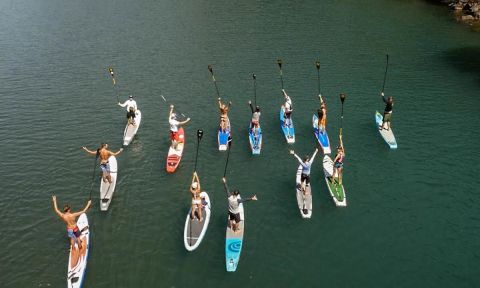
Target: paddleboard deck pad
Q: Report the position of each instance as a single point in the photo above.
(131, 130)
(255, 139)
(287, 128)
(336, 190)
(195, 230)
(321, 135)
(76, 269)
(175, 154)
(107, 189)
(234, 242)
(304, 200)
(387, 135)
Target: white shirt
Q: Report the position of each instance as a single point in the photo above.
(288, 104)
(130, 103)
(173, 125)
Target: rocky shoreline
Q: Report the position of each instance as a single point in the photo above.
(466, 11)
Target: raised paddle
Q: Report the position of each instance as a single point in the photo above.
(385, 77)
(199, 137)
(210, 68)
(228, 155)
(317, 64)
(279, 62)
(255, 88)
(165, 100)
(342, 98)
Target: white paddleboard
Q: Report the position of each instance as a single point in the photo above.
(76, 271)
(107, 189)
(304, 200)
(131, 130)
(194, 229)
(387, 135)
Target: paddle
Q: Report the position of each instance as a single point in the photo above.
(279, 62)
(317, 64)
(228, 155)
(385, 77)
(255, 88)
(342, 98)
(93, 175)
(210, 68)
(110, 70)
(199, 137)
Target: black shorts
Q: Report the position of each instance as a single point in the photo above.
(235, 217)
(305, 177)
(130, 114)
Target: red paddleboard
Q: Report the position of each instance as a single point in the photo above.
(175, 155)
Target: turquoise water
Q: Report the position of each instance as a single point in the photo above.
(412, 218)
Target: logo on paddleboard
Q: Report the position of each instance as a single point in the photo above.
(235, 246)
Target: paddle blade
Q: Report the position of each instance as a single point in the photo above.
(342, 97)
(229, 141)
(210, 68)
(317, 63)
(279, 62)
(254, 76)
(199, 134)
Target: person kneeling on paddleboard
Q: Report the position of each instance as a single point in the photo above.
(197, 201)
(172, 120)
(71, 220)
(104, 154)
(234, 205)
(131, 109)
(338, 163)
(224, 108)
(306, 165)
(255, 117)
(387, 114)
(288, 108)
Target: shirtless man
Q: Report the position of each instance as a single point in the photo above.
(322, 115)
(71, 220)
(255, 118)
(104, 154)
(224, 108)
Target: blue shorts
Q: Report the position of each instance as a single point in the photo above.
(105, 167)
(338, 165)
(74, 233)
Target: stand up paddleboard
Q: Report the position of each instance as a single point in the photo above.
(175, 155)
(387, 135)
(223, 136)
(336, 190)
(255, 139)
(233, 242)
(288, 130)
(304, 200)
(76, 269)
(131, 130)
(107, 189)
(194, 229)
(321, 135)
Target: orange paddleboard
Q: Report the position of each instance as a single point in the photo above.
(175, 154)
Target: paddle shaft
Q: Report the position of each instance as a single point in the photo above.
(228, 156)
(110, 70)
(199, 136)
(279, 62)
(342, 99)
(214, 80)
(255, 89)
(165, 100)
(317, 64)
(93, 175)
(385, 76)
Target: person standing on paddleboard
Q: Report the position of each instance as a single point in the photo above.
(338, 163)
(234, 201)
(172, 120)
(306, 165)
(104, 154)
(387, 114)
(255, 117)
(197, 201)
(224, 108)
(131, 108)
(71, 220)
(288, 108)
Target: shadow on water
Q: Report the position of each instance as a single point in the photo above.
(465, 59)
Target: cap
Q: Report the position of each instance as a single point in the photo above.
(194, 185)
(131, 96)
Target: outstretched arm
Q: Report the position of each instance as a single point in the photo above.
(341, 144)
(226, 187)
(313, 156)
(184, 122)
(55, 207)
(116, 153)
(251, 106)
(122, 104)
(253, 198)
(89, 203)
(170, 113)
(296, 156)
(89, 151)
(219, 102)
(383, 97)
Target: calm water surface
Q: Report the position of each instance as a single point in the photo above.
(412, 219)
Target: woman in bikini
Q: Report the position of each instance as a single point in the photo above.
(224, 108)
(197, 204)
(338, 163)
